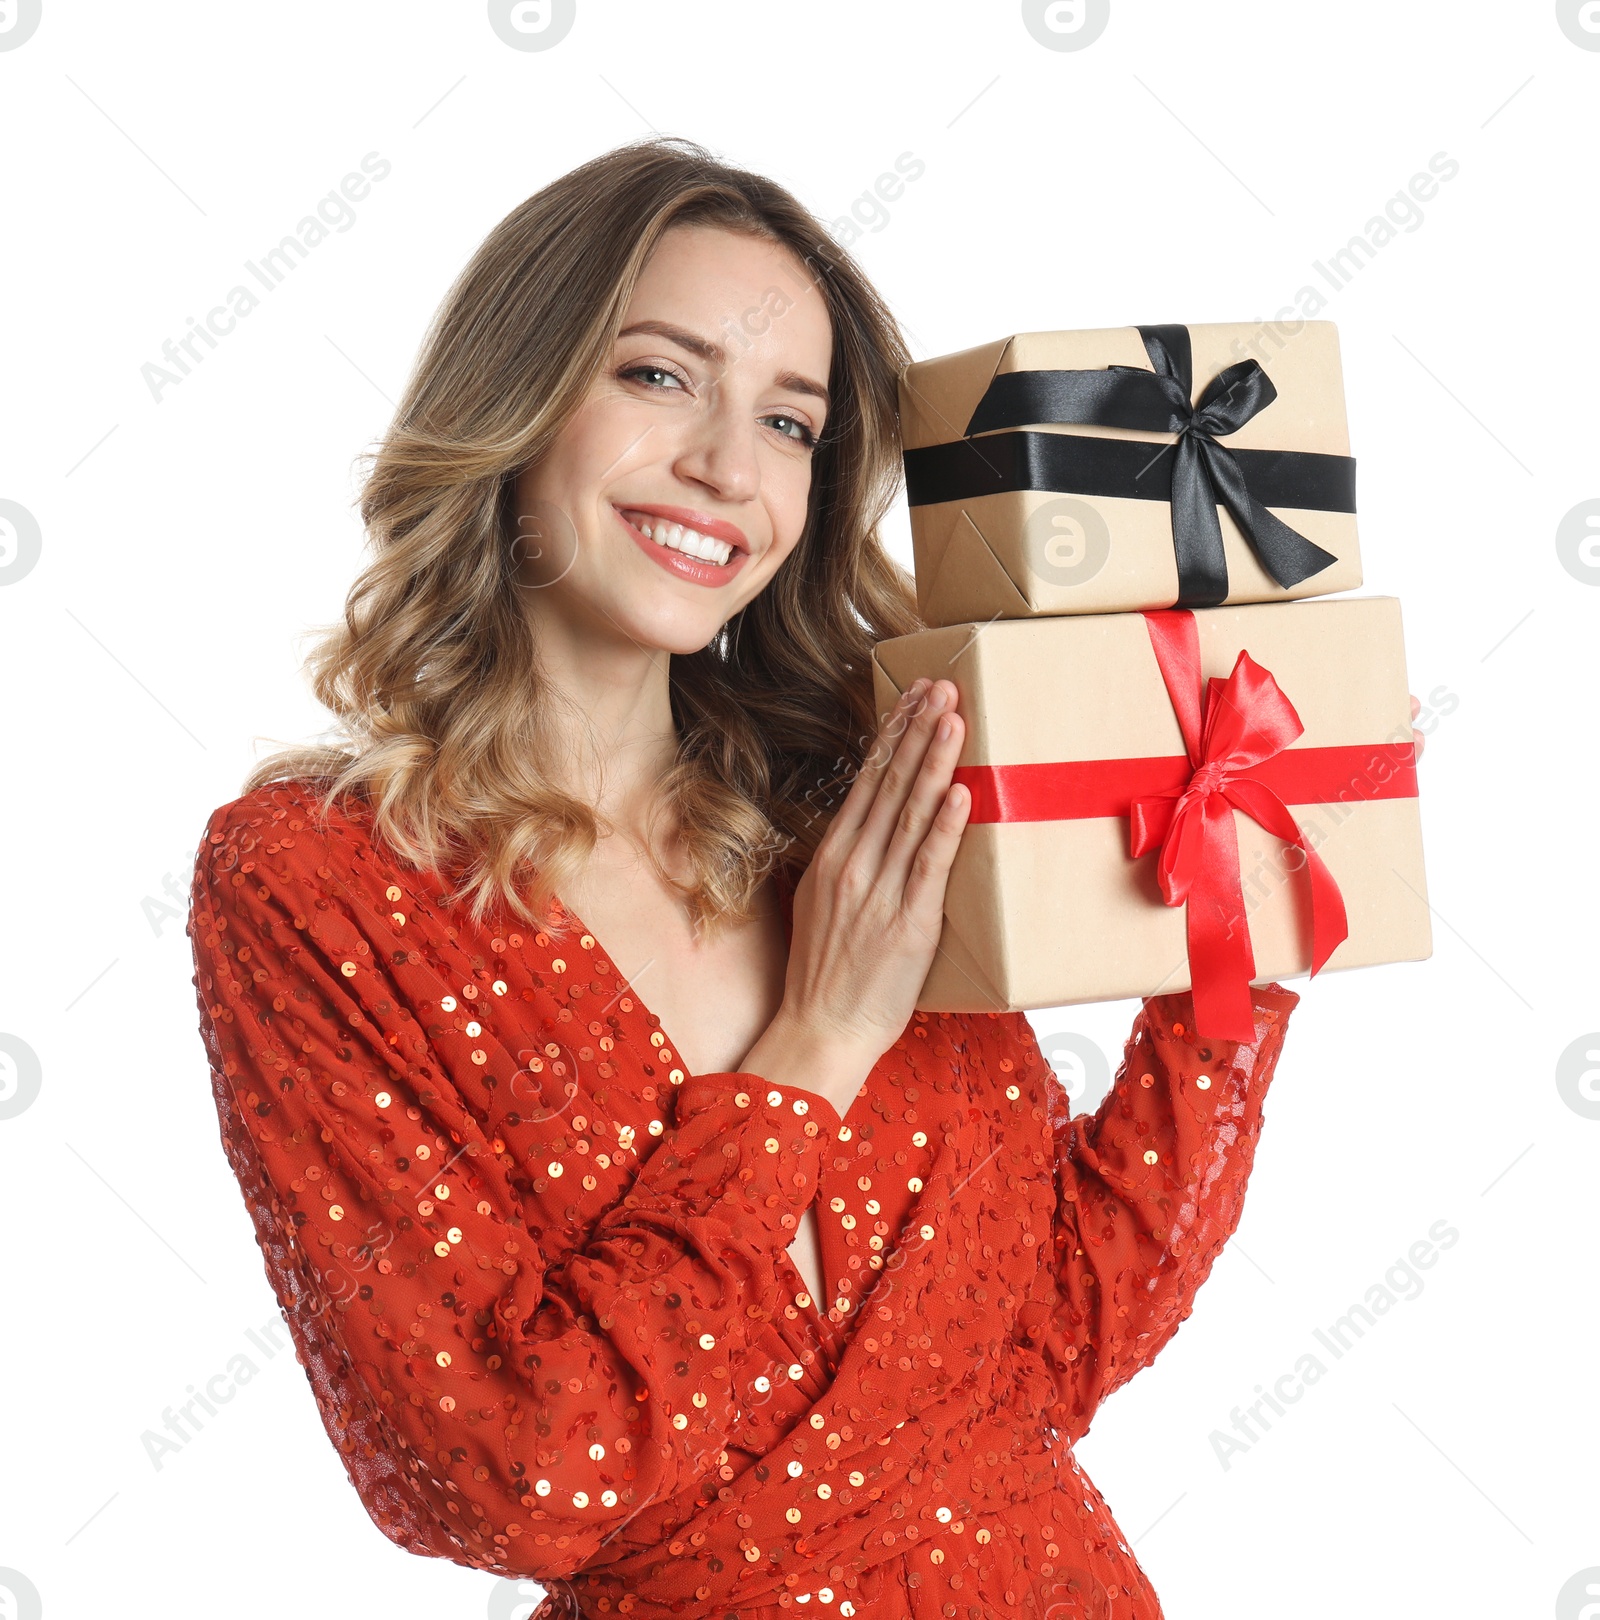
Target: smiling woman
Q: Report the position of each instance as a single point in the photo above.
(637, 1233)
(676, 411)
(658, 332)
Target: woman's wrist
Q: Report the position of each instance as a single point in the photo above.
(786, 1054)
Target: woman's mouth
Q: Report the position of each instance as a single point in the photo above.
(682, 551)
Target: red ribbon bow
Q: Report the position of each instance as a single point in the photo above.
(1246, 719)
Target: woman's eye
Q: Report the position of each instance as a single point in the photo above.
(652, 371)
(648, 373)
(805, 436)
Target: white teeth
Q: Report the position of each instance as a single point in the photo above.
(677, 538)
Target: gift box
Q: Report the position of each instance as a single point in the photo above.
(1129, 468)
(1170, 800)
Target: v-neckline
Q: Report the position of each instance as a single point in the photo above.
(824, 1332)
(786, 907)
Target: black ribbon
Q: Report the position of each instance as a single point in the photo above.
(1193, 474)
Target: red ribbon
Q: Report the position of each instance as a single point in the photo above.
(1246, 720)
(1236, 733)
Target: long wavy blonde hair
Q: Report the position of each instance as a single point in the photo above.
(442, 731)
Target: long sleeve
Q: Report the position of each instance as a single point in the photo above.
(518, 1333)
(1147, 1191)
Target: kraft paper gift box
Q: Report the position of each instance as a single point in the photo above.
(1129, 468)
(1119, 759)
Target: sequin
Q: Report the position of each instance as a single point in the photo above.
(609, 1391)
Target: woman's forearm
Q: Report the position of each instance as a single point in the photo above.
(788, 1055)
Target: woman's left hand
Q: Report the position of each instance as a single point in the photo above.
(1416, 736)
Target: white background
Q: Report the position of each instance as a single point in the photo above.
(1188, 165)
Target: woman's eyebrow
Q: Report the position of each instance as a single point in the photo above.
(714, 354)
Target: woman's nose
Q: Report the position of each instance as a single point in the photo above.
(720, 450)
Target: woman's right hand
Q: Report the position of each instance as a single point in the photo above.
(869, 908)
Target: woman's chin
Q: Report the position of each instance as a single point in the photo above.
(671, 627)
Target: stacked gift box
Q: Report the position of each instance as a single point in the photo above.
(1187, 771)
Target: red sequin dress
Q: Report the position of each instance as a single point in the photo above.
(538, 1275)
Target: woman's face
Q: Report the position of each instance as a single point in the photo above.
(681, 485)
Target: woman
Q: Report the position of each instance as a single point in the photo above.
(636, 1233)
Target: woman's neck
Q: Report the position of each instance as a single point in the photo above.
(611, 728)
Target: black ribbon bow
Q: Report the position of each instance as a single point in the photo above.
(1193, 474)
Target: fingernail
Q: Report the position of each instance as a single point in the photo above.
(937, 700)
